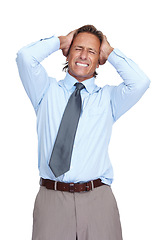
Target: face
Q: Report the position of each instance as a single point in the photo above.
(83, 56)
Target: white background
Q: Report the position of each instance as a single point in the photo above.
(131, 26)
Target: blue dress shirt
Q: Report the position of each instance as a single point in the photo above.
(101, 107)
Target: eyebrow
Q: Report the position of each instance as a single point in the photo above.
(92, 49)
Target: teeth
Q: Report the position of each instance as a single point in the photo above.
(82, 64)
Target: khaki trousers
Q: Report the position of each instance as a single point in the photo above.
(69, 216)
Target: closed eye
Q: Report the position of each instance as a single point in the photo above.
(92, 52)
(78, 48)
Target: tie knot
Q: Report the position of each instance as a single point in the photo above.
(79, 86)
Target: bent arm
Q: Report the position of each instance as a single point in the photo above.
(134, 84)
(32, 73)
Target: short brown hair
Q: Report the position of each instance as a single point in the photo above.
(89, 29)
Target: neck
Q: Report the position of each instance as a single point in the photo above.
(80, 78)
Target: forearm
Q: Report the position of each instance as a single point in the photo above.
(129, 71)
(134, 84)
(38, 51)
(32, 74)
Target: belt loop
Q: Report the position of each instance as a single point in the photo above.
(71, 187)
(92, 185)
(55, 186)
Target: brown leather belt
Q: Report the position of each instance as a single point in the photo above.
(71, 187)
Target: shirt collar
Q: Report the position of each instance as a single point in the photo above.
(89, 84)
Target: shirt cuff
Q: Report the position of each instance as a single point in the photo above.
(53, 42)
(115, 56)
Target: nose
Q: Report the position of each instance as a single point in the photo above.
(84, 54)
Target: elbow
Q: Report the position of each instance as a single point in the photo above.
(23, 52)
(21, 56)
(145, 83)
(142, 84)
(24, 58)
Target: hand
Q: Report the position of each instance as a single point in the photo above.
(65, 42)
(105, 50)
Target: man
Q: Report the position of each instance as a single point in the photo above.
(75, 200)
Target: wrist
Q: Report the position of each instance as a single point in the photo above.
(108, 51)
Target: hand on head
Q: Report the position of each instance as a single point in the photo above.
(105, 49)
(65, 42)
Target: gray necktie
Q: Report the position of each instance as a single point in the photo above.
(62, 151)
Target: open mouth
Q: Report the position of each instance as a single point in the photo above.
(82, 64)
